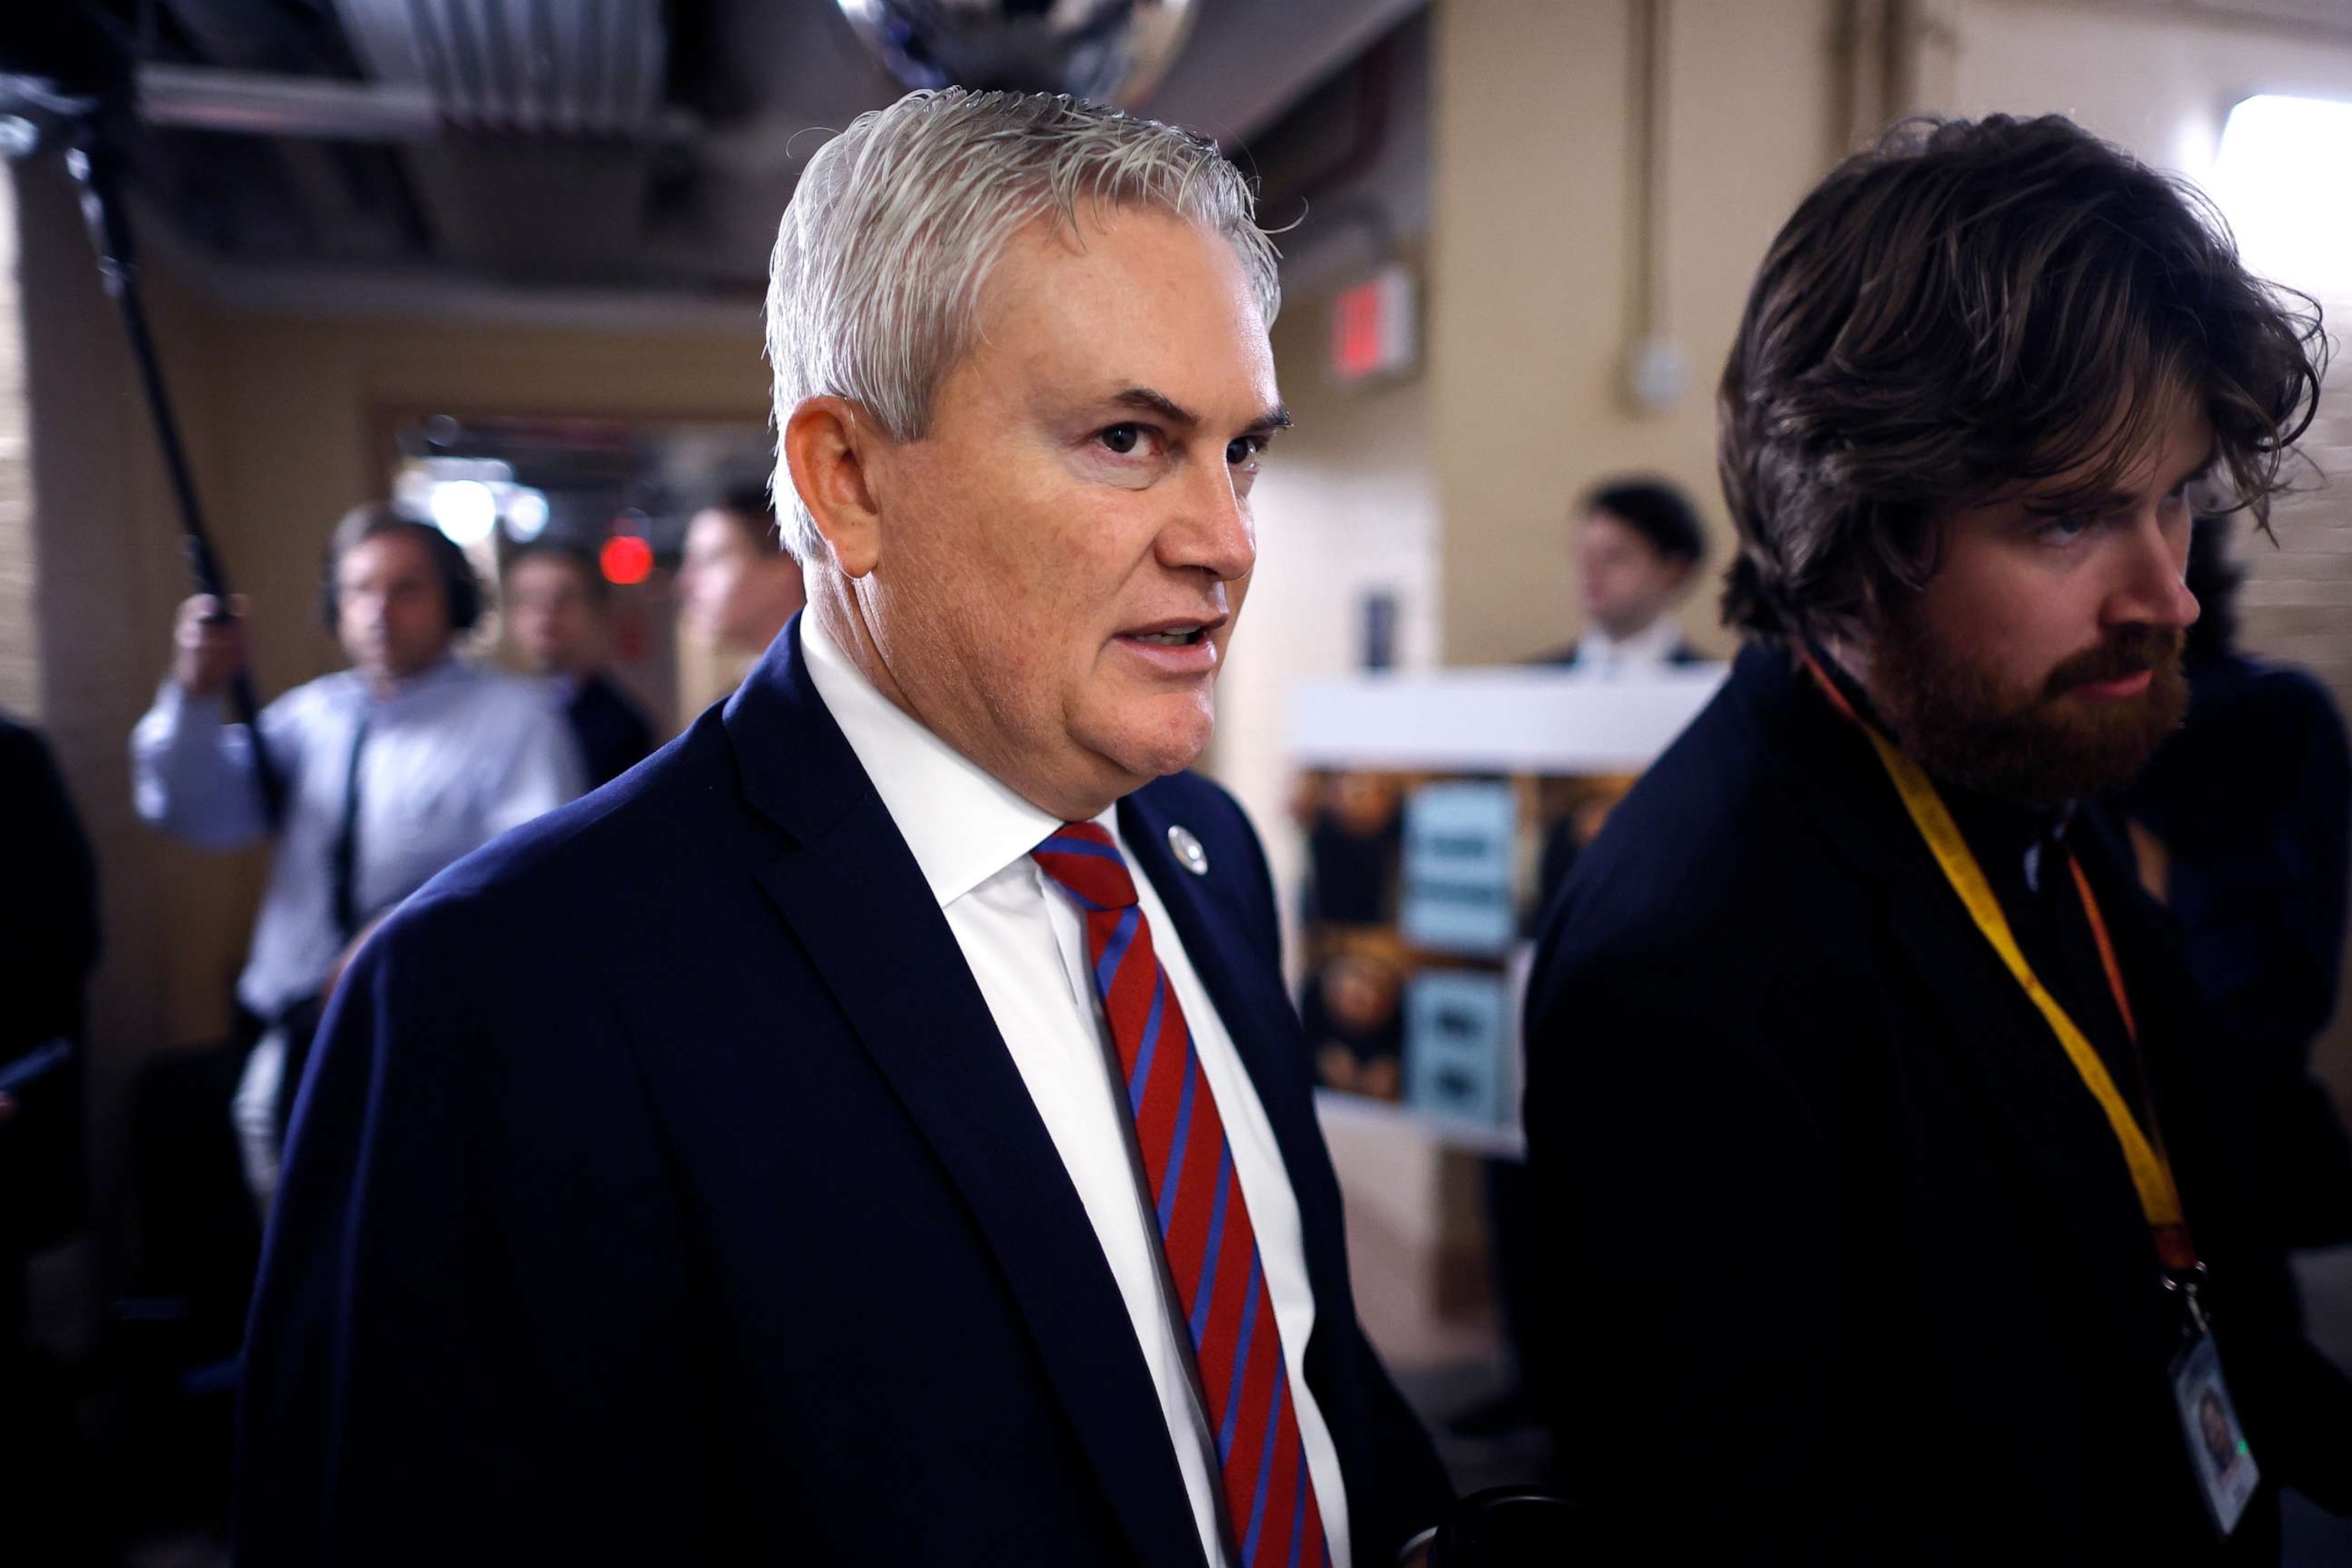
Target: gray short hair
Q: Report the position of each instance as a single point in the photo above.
(884, 248)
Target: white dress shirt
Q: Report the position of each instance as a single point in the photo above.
(1025, 942)
(1648, 652)
(454, 758)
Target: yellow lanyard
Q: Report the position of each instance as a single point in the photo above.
(2151, 1173)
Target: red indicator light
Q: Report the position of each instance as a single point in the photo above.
(627, 560)
(1356, 342)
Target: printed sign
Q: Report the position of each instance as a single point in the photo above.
(1459, 850)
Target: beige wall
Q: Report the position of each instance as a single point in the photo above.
(1531, 272)
(2157, 82)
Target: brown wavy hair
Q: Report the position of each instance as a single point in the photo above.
(1972, 306)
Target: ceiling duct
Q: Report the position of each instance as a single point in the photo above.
(560, 67)
(551, 112)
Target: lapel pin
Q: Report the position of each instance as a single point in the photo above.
(1188, 850)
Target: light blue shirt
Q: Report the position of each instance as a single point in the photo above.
(454, 758)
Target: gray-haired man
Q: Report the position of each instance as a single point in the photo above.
(875, 1130)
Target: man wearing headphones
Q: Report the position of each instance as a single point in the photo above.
(392, 769)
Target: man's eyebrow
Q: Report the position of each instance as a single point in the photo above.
(1144, 400)
(2098, 503)
(1275, 418)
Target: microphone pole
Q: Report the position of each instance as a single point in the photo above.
(93, 166)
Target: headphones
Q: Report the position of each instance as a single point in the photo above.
(459, 586)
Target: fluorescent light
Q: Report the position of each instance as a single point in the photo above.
(2284, 179)
(466, 510)
(526, 513)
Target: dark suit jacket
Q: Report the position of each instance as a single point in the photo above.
(48, 943)
(613, 732)
(663, 1193)
(1849, 1264)
(2252, 799)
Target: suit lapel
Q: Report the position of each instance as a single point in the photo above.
(854, 897)
(2055, 1137)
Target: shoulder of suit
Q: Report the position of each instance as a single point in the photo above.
(1708, 839)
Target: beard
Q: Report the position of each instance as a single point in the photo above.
(1972, 727)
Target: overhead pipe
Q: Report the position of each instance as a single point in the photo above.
(254, 103)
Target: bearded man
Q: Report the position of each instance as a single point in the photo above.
(1896, 1194)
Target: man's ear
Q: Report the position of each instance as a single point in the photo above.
(828, 442)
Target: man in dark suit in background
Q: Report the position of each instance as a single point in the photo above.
(2242, 822)
(1899, 1199)
(875, 1131)
(558, 612)
(1638, 545)
(48, 943)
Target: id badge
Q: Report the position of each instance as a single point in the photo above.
(2217, 1444)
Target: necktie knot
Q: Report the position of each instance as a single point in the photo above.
(1085, 861)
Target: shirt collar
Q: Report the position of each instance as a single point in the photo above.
(448, 671)
(1653, 644)
(964, 825)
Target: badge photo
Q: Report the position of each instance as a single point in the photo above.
(2217, 1444)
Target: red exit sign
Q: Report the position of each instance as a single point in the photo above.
(1373, 327)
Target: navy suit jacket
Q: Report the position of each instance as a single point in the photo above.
(662, 1192)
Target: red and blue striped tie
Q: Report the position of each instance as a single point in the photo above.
(1204, 1226)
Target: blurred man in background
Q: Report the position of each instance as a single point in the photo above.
(737, 586)
(558, 618)
(1637, 544)
(1901, 1204)
(2244, 822)
(392, 769)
